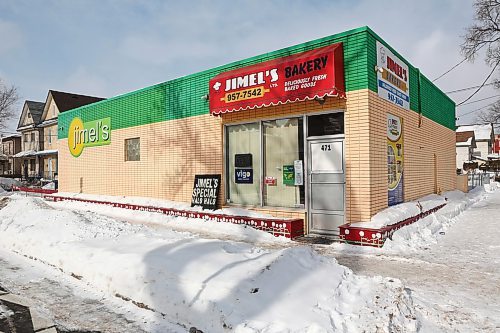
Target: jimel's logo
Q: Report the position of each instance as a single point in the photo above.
(89, 134)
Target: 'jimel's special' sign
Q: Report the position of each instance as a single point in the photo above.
(205, 191)
(305, 75)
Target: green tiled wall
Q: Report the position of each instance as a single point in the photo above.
(180, 98)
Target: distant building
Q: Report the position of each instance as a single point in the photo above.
(484, 137)
(9, 146)
(466, 143)
(38, 126)
(496, 145)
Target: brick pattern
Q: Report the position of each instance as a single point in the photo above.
(429, 155)
(172, 152)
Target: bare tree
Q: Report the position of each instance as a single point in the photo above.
(8, 99)
(485, 33)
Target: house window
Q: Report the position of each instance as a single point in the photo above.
(26, 137)
(32, 165)
(133, 149)
(49, 136)
(33, 137)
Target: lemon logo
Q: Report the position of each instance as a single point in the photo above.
(89, 134)
(74, 142)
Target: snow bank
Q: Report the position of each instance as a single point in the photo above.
(6, 183)
(426, 231)
(215, 285)
(203, 227)
(400, 212)
(49, 186)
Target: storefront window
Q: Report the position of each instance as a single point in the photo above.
(282, 181)
(283, 163)
(325, 124)
(243, 164)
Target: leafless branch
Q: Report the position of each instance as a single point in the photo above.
(8, 99)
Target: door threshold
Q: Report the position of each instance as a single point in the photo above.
(317, 239)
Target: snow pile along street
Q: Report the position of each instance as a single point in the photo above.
(211, 284)
(425, 232)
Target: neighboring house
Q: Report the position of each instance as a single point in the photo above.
(9, 146)
(31, 138)
(465, 144)
(484, 137)
(56, 103)
(38, 127)
(496, 145)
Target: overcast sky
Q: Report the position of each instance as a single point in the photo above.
(109, 47)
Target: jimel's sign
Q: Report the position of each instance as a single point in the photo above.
(302, 76)
(89, 134)
(205, 191)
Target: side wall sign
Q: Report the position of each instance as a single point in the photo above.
(89, 134)
(395, 158)
(392, 78)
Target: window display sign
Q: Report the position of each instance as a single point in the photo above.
(392, 78)
(395, 159)
(205, 191)
(243, 176)
(271, 181)
(299, 172)
(306, 75)
(243, 160)
(288, 175)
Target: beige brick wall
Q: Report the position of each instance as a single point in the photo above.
(429, 155)
(171, 154)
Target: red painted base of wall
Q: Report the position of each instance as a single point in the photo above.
(376, 237)
(277, 227)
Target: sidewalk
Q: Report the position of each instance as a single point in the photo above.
(455, 280)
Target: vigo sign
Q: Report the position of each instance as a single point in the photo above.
(306, 75)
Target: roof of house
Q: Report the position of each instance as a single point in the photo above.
(465, 139)
(481, 132)
(36, 110)
(464, 136)
(67, 101)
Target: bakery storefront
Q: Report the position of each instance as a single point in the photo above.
(330, 131)
(266, 158)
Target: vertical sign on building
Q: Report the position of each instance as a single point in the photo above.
(392, 78)
(395, 159)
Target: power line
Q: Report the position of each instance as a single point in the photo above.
(469, 88)
(481, 108)
(479, 100)
(449, 70)
(482, 85)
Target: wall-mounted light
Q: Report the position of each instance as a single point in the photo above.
(320, 100)
(205, 97)
(379, 69)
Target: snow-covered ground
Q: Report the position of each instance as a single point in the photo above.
(221, 277)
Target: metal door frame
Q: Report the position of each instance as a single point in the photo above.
(307, 157)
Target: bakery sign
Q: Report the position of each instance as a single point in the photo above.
(392, 77)
(302, 76)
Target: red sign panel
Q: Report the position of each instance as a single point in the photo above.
(307, 75)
